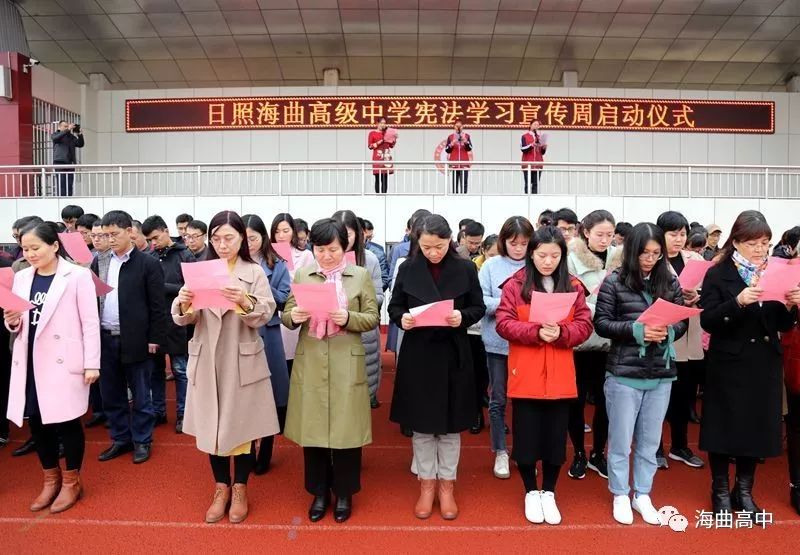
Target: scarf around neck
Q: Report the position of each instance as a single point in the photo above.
(322, 328)
(749, 272)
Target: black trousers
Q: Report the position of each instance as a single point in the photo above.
(460, 181)
(590, 373)
(681, 398)
(96, 398)
(242, 467)
(65, 177)
(481, 371)
(535, 176)
(5, 382)
(47, 438)
(381, 183)
(337, 470)
(793, 437)
(720, 462)
(549, 476)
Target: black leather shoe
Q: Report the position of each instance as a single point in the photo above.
(319, 506)
(96, 420)
(343, 508)
(742, 496)
(161, 419)
(115, 451)
(141, 453)
(179, 425)
(28, 447)
(720, 495)
(694, 418)
(477, 426)
(408, 432)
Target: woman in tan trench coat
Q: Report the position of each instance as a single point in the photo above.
(329, 413)
(229, 401)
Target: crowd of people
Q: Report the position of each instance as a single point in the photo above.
(102, 334)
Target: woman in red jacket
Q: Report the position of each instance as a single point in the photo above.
(381, 147)
(541, 371)
(533, 149)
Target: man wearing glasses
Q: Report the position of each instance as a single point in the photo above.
(195, 239)
(567, 223)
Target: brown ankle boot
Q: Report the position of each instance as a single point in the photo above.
(71, 491)
(50, 489)
(238, 510)
(447, 501)
(427, 493)
(222, 496)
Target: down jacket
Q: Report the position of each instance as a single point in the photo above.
(372, 339)
(617, 309)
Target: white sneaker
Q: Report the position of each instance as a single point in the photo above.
(501, 469)
(414, 466)
(533, 507)
(549, 508)
(644, 506)
(622, 509)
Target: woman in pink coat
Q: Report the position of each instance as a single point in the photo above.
(56, 357)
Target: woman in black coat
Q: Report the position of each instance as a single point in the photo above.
(434, 392)
(743, 393)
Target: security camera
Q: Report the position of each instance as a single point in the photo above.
(34, 62)
(31, 62)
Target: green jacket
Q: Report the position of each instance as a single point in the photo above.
(328, 393)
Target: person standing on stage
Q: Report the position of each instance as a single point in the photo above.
(533, 149)
(458, 147)
(380, 141)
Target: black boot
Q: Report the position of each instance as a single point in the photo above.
(720, 494)
(343, 508)
(742, 495)
(794, 496)
(264, 457)
(319, 506)
(477, 426)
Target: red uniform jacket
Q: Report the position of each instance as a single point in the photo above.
(539, 370)
(383, 151)
(532, 150)
(458, 151)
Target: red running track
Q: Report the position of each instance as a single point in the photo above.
(159, 506)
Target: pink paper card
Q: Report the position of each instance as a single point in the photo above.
(694, 272)
(350, 257)
(76, 247)
(433, 314)
(284, 250)
(6, 277)
(391, 135)
(317, 298)
(550, 308)
(10, 301)
(783, 261)
(206, 279)
(101, 288)
(778, 280)
(665, 313)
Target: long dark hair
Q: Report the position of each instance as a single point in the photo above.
(592, 219)
(47, 233)
(432, 224)
(284, 217)
(749, 225)
(533, 279)
(515, 226)
(255, 223)
(790, 237)
(630, 274)
(235, 221)
(349, 219)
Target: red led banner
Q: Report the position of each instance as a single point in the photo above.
(430, 112)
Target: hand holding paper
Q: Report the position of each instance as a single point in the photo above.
(664, 313)
(76, 247)
(317, 298)
(550, 308)
(206, 279)
(694, 272)
(778, 280)
(284, 250)
(433, 314)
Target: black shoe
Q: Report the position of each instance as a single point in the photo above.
(577, 469)
(179, 425)
(264, 457)
(161, 419)
(374, 403)
(115, 451)
(597, 462)
(3, 439)
(141, 453)
(28, 447)
(96, 420)
(794, 496)
(720, 495)
(408, 432)
(687, 457)
(477, 426)
(343, 508)
(693, 416)
(742, 496)
(319, 506)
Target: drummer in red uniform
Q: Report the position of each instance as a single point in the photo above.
(381, 143)
(459, 145)
(533, 149)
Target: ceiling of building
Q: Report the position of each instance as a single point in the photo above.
(665, 44)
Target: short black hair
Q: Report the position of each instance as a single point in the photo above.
(119, 218)
(153, 223)
(545, 218)
(474, 229)
(463, 223)
(366, 224)
(71, 211)
(565, 215)
(98, 223)
(60, 226)
(87, 220)
(199, 226)
(672, 221)
(137, 224)
(328, 230)
(696, 240)
(25, 221)
(623, 228)
(182, 218)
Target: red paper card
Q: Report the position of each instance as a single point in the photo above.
(101, 288)
(550, 308)
(11, 301)
(665, 313)
(317, 298)
(206, 279)
(694, 272)
(76, 247)
(433, 314)
(6, 277)
(777, 280)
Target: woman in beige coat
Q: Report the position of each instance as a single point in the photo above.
(329, 414)
(229, 401)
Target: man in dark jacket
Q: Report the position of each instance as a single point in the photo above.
(171, 254)
(128, 340)
(65, 141)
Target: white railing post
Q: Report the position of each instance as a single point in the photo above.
(199, 180)
(119, 179)
(44, 182)
(610, 178)
(363, 179)
(280, 179)
(689, 182)
(766, 183)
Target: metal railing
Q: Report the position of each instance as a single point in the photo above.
(409, 178)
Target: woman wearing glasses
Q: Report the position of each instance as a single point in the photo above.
(744, 387)
(640, 368)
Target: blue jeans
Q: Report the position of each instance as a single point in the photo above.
(127, 422)
(159, 383)
(498, 384)
(634, 415)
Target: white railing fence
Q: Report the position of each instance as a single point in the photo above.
(409, 178)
